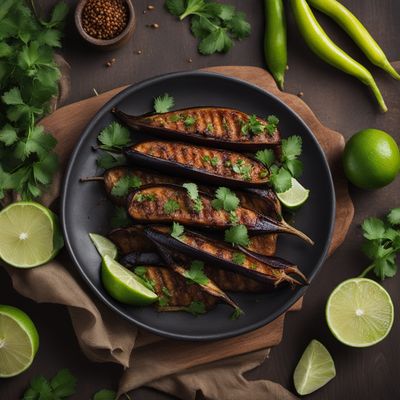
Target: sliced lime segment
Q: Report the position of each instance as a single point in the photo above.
(104, 246)
(125, 286)
(314, 370)
(29, 235)
(19, 341)
(359, 312)
(296, 196)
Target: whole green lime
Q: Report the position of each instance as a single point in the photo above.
(371, 159)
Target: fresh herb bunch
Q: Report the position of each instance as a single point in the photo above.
(216, 25)
(28, 82)
(382, 244)
(289, 166)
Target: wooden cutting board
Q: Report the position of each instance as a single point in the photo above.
(67, 124)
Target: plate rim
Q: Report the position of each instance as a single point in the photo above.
(67, 177)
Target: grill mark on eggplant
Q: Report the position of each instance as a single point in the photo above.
(226, 132)
(208, 217)
(206, 164)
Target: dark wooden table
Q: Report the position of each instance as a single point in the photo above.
(339, 101)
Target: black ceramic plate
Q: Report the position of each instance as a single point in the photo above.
(85, 207)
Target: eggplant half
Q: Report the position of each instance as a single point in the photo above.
(212, 126)
(210, 166)
(265, 269)
(171, 203)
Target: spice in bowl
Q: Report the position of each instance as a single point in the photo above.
(104, 19)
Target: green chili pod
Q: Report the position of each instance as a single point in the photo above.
(320, 43)
(356, 30)
(275, 46)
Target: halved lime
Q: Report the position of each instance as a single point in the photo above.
(314, 370)
(29, 234)
(359, 312)
(123, 285)
(19, 341)
(104, 246)
(296, 196)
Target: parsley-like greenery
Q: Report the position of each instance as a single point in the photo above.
(123, 185)
(196, 274)
(120, 218)
(382, 244)
(189, 121)
(177, 230)
(256, 126)
(142, 272)
(225, 199)
(238, 258)
(171, 206)
(237, 235)
(211, 160)
(243, 169)
(289, 166)
(110, 160)
(141, 197)
(163, 104)
(215, 25)
(28, 82)
(196, 308)
(114, 137)
(59, 387)
(193, 193)
(237, 313)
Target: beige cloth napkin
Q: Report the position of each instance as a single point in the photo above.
(105, 337)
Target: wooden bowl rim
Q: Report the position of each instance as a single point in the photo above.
(104, 42)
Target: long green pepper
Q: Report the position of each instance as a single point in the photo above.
(356, 30)
(320, 43)
(275, 43)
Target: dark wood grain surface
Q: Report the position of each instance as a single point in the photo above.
(338, 100)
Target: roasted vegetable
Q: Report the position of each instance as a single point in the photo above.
(210, 166)
(212, 126)
(171, 203)
(268, 270)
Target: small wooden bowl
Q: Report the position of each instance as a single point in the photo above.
(106, 44)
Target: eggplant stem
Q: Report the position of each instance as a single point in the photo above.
(91, 179)
(290, 229)
(296, 271)
(292, 281)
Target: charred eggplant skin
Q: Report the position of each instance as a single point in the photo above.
(231, 169)
(226, 131)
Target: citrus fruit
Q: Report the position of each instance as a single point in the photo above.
(371, 159)
(123, 285)
(296, 196)
(104, 246)
(19, 341)
(359, 312)
(29, 235)
(314, 370)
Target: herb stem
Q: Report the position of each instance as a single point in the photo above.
(366, 271)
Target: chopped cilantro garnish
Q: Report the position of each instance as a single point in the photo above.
(237, 235)
(121, 188)
(141, 197)
(238, 258)
(196, 274)
(225, 199)
(177, 230)
(171, 206)
(163, 104)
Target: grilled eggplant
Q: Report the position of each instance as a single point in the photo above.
(267, 270)
(169, 203)
(210, 166)
(212, 126)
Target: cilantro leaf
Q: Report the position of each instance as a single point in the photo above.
(120, 218)
(291, 147)
(196, 308)
(13, 97)
(163, 104)
(238, 258)
(394, 216)
(142, 272)
(121, 188)
(114, 136)
(63, 384)
(105, 394)
(58, 15)
(373, 228)
(225, 199)
(175, 7)
(196, 273)
(237, 235)
(216, 41)
(266, 156)
(237, 313)
(109, 160)
(295, 167)
(177, 230)
(281, 179)
(193, 193)
(171, 206)
(8, 135)
(238, 26)
(223, 11)
(192, 7)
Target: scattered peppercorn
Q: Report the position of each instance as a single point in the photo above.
(139, 52)
(155, 26)
(104, 19)
(110, 62)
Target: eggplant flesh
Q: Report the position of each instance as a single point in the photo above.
(212, 126)
(210, 166)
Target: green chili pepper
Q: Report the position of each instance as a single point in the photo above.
(356, 30)
(275, 49)
(320, 43)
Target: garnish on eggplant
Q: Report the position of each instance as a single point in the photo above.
(212, 126)
(208, 165)
(151, 205)
(265, 269)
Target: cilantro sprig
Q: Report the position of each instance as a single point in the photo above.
(196, 308)
(177, 230)
(382, 244)
(215, 25)
(196, 273)
(163, 104)
(123, 185)
(289, 166)
(193, 193)
(28, 82)
(225, 199)
(237, 235)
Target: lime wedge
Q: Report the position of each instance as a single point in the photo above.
(296, 196)
(104, 246)
(314, 370)
(19, 341)
(359, 312)
(123, 285)
(29, 235)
